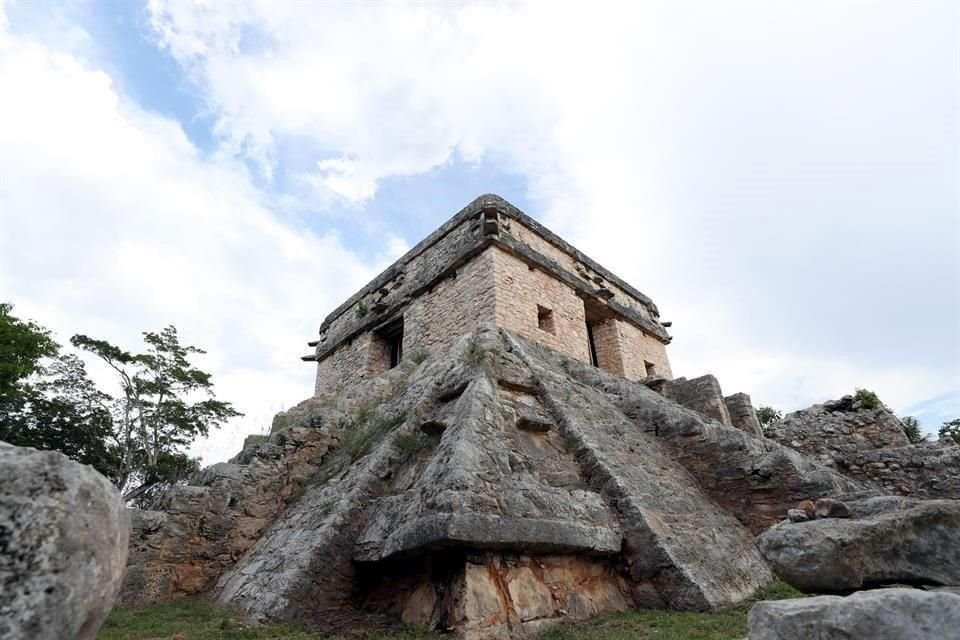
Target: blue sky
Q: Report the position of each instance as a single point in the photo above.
(782, 180)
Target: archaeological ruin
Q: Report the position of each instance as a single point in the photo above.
(496, 443)
(493, 264)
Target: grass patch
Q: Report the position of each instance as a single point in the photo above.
(365, 429)
(200, 621)
(670, 625)
(410, 444)
(474, 353)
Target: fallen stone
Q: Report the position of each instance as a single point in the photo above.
(831, 508)
(63, 537)
(887, 540)
(797, 515)
(809, 508)
(882, 614)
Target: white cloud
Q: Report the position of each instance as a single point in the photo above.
(781, 179)
(114, 223)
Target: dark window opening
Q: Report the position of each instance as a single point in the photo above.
(650, 367)
(392, 336)
(545, 319)
(593, 345)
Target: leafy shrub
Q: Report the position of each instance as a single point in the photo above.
(768, 416)
(362, 309)
(911, 427)
(950, 430)
(868, 399)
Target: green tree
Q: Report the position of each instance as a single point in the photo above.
(47, 400)
(165, 404)
(23, 346)
(950, 430)
(767, 416)
(136, 438)
(911, 427)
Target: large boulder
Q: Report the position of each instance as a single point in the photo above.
(63, 537)
(882, 614)
(838, 430)
(886, 540)
(870, 445)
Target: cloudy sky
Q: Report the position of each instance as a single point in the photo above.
(782, 178)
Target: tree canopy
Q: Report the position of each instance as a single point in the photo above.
(950, 430)
(137, 437)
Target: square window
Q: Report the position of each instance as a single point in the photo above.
(650, 367)
(545, 319)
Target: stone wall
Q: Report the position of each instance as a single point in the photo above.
(742, 414)
(606, 341)
(521, 291)
(347, 365)
(453, 306)
(525, 234)
(491, 263)
(639, 348)
(628, 351)
(702, 394)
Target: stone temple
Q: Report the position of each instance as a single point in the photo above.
(496, 443)
(493, 264)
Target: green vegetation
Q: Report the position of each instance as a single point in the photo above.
(669, 625)
(137, 437)
(474, 353)
(911, 428)
(768, 416)
(198, 621)
(362, 309)
(410, 444)
(950, 430)
(419, 356)
(364, 429)
(868, 399)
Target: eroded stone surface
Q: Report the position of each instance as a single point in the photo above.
(883, 614)
(887, 540)
(63, 545)
(869, 445)
(201, 530)
(436, 491)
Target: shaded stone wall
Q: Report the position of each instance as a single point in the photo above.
(702, 394)
(638, 348)
(491, 594)
(625, 350)
(742, 414)
(453, 307)
(520, 290)
(606, 340)
(347, 365)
